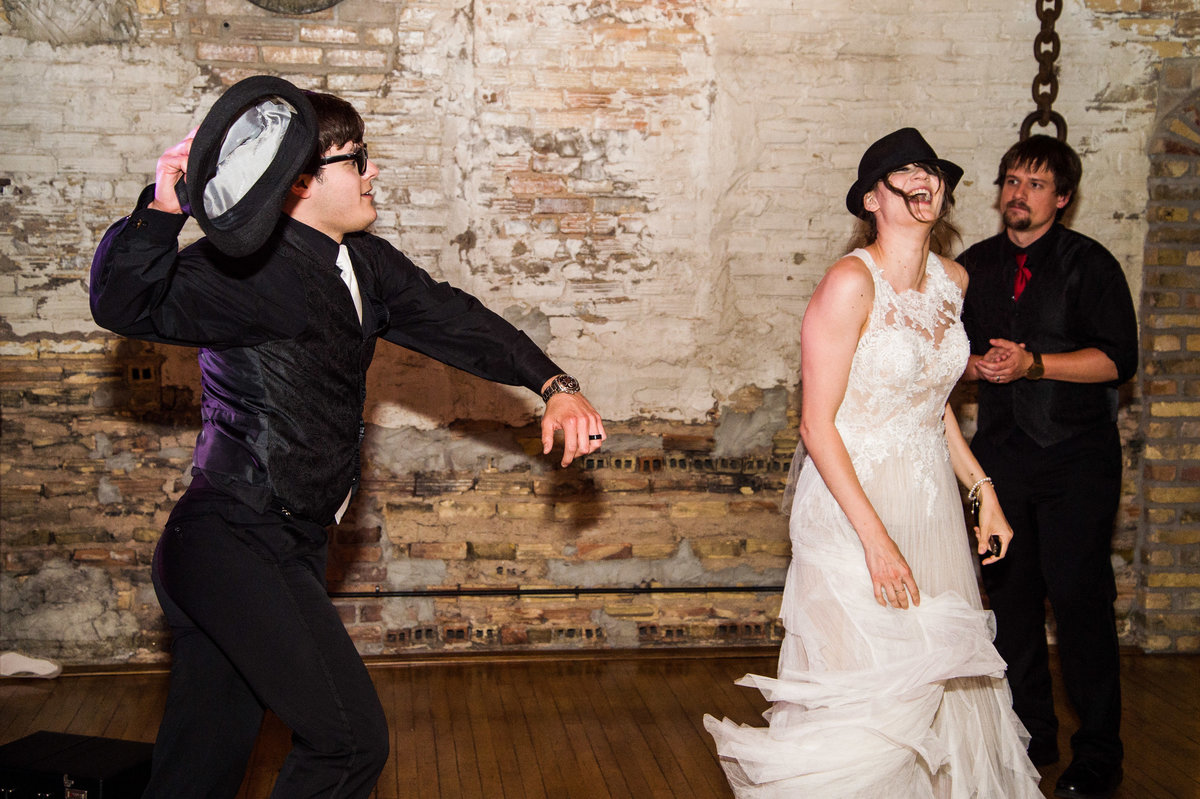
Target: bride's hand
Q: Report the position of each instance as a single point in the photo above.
(991, 523)
(891, 578)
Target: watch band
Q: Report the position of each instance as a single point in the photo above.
(1036, 369)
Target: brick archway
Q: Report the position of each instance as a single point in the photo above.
(1169, 542)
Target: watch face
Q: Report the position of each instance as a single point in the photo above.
(1036, 369)
(563, 384)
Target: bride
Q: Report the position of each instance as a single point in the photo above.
(888, 684)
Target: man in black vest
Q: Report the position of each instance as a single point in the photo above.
(286, 328)
(1053, 334)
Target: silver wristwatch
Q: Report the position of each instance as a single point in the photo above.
(562, 384)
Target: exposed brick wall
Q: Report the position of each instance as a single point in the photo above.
(1170, 380)
(650, 189)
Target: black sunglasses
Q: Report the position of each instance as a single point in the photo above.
(359, 157)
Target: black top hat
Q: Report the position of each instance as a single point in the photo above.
(897, 149)
(252, 145)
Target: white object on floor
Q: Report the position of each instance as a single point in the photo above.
(14, 664)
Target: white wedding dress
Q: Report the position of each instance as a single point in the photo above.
(873, 701)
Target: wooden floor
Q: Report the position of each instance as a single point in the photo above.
(613, 725)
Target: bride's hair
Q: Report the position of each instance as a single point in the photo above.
(941, 238)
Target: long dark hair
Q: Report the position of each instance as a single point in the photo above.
(944, 234)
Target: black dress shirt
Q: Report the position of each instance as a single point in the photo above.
(1077, 297)
(283, 356)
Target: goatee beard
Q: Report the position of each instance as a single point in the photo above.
(1014, 222)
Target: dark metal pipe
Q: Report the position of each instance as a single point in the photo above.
(576, 591)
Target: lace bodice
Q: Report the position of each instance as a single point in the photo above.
(913, 351)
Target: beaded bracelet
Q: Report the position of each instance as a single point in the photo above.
(973, 494)
(973, 497)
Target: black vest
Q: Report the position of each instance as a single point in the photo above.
(282, 419)
(1077, 297)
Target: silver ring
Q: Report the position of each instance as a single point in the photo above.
(594, 437)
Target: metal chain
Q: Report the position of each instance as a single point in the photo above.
(1046, 46)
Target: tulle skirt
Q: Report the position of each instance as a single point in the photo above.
(872, 701)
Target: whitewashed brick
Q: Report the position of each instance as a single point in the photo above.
(715, 155)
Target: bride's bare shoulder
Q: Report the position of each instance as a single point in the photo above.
(848, 275)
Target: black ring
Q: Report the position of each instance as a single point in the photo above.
(594, 438)
(295, 6)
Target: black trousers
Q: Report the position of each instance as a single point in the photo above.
(253, 628)
(1061, 502)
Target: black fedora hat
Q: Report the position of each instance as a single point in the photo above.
(252, 145)
(898, 148)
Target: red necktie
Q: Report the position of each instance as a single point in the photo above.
(1022, 277)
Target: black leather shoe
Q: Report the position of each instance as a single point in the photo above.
(1043, 751)
(1088, 779)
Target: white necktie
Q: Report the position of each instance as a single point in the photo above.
(343, 262)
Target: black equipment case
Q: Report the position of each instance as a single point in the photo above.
(56, 765)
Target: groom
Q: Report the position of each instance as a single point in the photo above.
(1053, 334)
